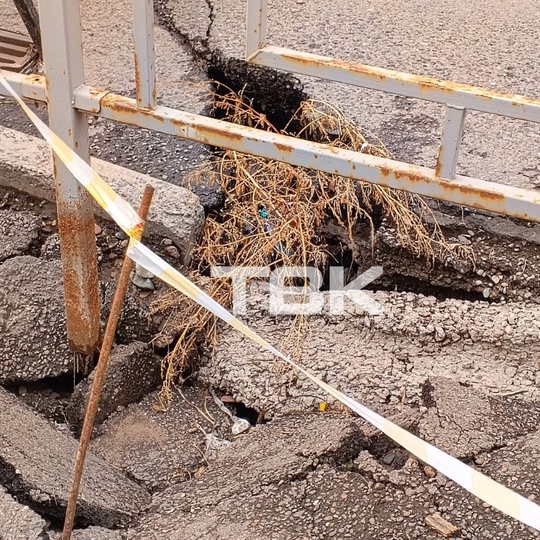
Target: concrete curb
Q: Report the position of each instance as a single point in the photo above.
(25, 165)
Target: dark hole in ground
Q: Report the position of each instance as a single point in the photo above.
(401, 283)
(62, 385)
(427, 394)
(277, 95)
(253, 416)
(49, 396)
(385, 451)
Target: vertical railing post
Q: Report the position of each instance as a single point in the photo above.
(63, 60)
(257, 15)
(452, 134)
(145, 57)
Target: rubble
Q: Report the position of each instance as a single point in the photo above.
(133, 372)
(36, 462)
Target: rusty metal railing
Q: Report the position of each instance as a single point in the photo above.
(70, 100)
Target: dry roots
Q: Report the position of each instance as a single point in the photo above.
(275, 212)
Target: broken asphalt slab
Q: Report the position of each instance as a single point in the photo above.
(36, 464)
(311, 477)
(176, 212)
(18, 522)
(33, 340)
(159, 447)
(382, 359)
(465, 422)
(267, 456)
(133, 371)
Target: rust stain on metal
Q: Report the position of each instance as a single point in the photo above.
(438, 166)
(216, 133)
(425, 84)
(96, 92)
(119, 104)
(77, 239)
(284, 148)
(447, 186)
(138, 82)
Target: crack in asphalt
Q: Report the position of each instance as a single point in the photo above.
(212, 18)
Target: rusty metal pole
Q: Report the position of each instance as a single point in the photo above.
(99, 376)
(63, 61)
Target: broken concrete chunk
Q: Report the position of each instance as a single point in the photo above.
(175, 212)
(17, 230)
(133, 371)
(146, 443)
(36, 463)
(18, 522)
(33, 341)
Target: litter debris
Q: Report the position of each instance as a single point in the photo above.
(239, 424)
(440, 525)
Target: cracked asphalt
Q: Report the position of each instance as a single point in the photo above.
(494, 44)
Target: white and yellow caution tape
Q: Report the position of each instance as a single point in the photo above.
(117, 207)
(478, 484)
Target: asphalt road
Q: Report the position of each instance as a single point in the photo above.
(493, 44)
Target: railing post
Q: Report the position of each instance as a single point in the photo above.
(257, 15)
(452, 134)
(145, 57)
(63, 59)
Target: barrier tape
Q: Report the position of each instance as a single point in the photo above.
(483, 487)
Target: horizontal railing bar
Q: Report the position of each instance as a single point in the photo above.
(480, 194)
(470, 192)
(26, 86)
(400, 83)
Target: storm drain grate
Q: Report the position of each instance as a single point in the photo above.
(16, 51)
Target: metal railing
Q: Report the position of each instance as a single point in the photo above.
(69, 100)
